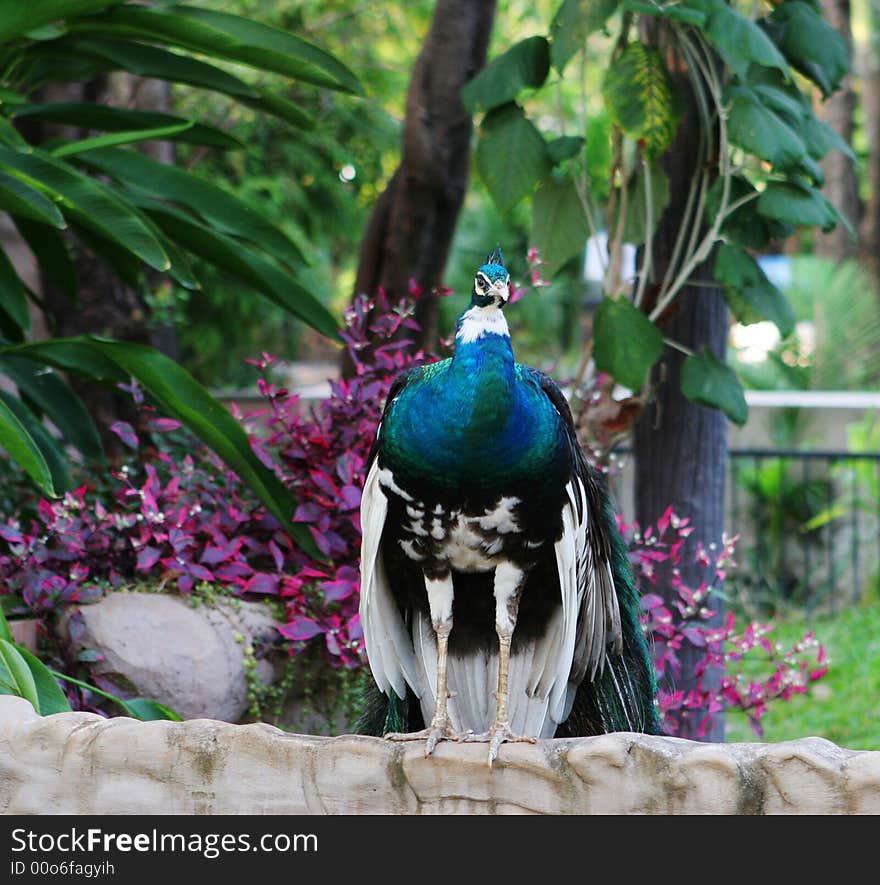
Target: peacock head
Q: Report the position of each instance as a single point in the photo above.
(492, 282)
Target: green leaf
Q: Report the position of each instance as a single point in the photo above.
(9, 135)
(709, 382)
(559, 224)
(50, 697)
(13, 296)
(11, 97)
(625, 342)
(19, 18)
(70, 355)
(153, 61)
(47, 32)
(642, 98)
(146, 710)
(178, 395)
(797, 204)
(181, 270)
(820, 138)
(278, 106)
(574, 21)
(5, 632)
(53, 397)
(230, 37)
(780, 94)
(760, 131)
(682, 14)
(138, 708)
(223, 210)
(56, 461)
(228, 255)
(815, 48)
(564, 148)
(748, 292)
(21, 447)
(635, 225)
(132, 136)
(810, 170)
(15, 673)
(738, 40)
(18, 199)
(88, 202)
(511, 155)
(744, 226)
(111, 119)
(599, 155)
(839, 218)
(524, 66)
(50, 250)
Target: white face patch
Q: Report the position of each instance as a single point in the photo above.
(479, 321)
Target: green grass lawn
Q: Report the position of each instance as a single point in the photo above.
(843, 706)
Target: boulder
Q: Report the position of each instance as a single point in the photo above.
(159, 646)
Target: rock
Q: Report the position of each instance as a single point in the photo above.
(79, 763)
(159, 646)
(26, 633)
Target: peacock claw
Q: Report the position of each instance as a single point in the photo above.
(432, 735)
(497, 735)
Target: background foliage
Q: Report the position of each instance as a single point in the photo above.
(283, 139)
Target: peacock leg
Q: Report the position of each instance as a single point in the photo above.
(440, 596)
(509, 580)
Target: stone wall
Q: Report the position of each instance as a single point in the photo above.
(79, 763)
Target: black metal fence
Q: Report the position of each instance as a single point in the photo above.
(809, 526)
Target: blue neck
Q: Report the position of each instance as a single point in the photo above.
(472, 420)
(481, 383)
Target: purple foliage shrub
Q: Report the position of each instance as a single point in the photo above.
(740, 669)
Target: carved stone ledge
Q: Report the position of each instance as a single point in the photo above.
(79, 763)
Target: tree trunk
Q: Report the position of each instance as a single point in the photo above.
(107, 305)
(841, 185)
(869, 231)
(410, 231)
(680, 447)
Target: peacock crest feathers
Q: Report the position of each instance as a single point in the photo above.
(495, 257)
(494, 268)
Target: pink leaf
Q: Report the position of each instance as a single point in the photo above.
(126, 433)
(262, 583)
(164, 425)
(147, 558)
(336, 590)
(301, 628)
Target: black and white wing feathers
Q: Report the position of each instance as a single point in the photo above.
(584, 560)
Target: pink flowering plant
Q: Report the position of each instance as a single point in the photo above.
(173, 517)
(739, 668)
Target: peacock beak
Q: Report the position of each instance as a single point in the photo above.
(502, 290)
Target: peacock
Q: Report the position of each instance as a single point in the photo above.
(497, 601)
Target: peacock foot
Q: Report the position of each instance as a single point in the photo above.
(437, 731)
(497, 735)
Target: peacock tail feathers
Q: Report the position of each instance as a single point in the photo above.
(622, 698)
